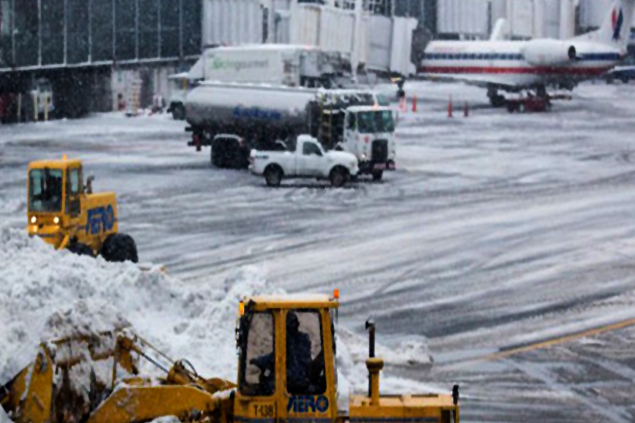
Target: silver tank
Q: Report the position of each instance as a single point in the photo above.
(218, 105)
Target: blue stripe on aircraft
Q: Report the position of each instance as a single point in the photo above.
(514, 57)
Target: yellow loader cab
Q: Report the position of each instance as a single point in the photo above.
(64, 212)
(287, 369)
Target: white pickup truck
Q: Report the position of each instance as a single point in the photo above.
(309, 160)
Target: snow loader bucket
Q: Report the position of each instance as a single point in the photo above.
(94, 378)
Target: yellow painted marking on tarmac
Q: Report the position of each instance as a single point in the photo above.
(541, 345)
(557, 341)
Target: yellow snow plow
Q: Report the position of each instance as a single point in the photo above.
(286, 372)
(64, 212)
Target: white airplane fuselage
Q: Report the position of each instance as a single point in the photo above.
(504, 64)
(534, 64)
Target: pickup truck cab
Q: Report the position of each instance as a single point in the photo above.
(309, 160)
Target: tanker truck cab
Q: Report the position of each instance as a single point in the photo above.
(369, 134)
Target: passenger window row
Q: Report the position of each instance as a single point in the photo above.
(472, 56)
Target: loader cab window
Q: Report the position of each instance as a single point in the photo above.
(73, 189)
(310, 148)
(45, 190)
(306, 374)
(74, 180)
(258, 359)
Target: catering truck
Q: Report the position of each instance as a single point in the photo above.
(235, 118)
(276, 64)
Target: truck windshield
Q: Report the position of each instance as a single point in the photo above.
(45, 190)
(373, 122)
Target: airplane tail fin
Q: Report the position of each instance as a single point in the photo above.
(616, 29)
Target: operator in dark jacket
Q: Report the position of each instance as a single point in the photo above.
(298, 357)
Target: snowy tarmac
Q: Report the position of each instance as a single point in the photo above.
(498, 231)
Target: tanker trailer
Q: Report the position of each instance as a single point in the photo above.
(235, 118)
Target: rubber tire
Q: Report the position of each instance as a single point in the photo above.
(119, 248)
(625, 80)
(214, 158)
(178, 112)
(377, 175)
(497, 101)
(510, 107)
(273, 176)
(81, 249)
(338, 177)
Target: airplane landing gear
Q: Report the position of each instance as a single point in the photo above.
(495, 99)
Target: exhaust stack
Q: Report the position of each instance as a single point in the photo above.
(373, 364)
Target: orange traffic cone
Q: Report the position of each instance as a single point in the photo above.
(466, 110)
(450, 108)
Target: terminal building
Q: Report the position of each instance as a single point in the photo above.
(95, 55)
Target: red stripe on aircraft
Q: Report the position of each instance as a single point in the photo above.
(515, 71)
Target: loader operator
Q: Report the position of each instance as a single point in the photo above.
(298, 357)
(301, 378)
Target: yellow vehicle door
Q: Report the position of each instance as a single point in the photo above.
(256, 394)
(74, 189)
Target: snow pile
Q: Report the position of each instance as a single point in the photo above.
(407, 353)
(46, 294)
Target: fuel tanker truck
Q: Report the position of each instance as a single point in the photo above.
(233, 119)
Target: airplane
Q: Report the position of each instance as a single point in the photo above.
(534, 65)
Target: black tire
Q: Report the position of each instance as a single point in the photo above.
(273, 176)
(497, 100)
(178, 112)
(119, 248)
(377, 175)
(625, 80)
(81, 249)
(510, 107)
(338, 177)
(215, 157)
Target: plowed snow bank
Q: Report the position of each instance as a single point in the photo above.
(46, 294)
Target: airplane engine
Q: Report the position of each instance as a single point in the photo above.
(549, 53)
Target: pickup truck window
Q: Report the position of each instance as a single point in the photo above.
(309, 148)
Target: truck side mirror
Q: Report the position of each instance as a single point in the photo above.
(89, 184)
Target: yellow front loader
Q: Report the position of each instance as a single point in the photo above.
(286, 374)
(64, 212)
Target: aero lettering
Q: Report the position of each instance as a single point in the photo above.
(308, 404)
(100, 219)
